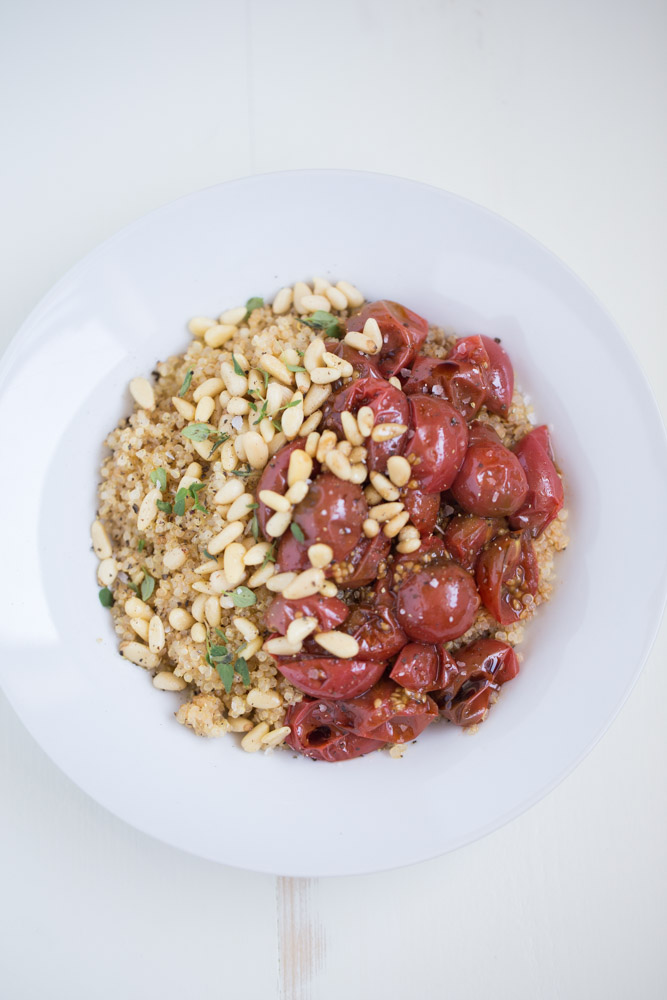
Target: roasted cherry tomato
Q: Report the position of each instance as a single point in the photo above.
(387, 712)
(403, 333)
(506, 572)
(423, 668)
(545, 489)
(490, 482)
(423, 509)
(466, 535)
(467, 384)
(314, 734)
(329, 611)
(274, 477)
(363, 365)
(332, 512)
(428, 376)
(363, 563)
(389, 405)
(292, 556)
(481, 668)
(329, 676)
(431, 552)
(499, 377)
(438, 603)
(377, 631)
(436, 442)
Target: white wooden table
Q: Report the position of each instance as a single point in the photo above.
(552, 114)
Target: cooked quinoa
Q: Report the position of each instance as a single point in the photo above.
(140, 540)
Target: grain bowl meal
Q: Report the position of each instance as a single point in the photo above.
(327, 523)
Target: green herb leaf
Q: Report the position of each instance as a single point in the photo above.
(276, 424)
(226, 672)
(193, 490)
(197, 432)
(253, 406)
(237, 366)
(179, 502)
(133, 587)
(262, 413)
(186, 383)
(164, 506)
(159, 478)
(254, 527)
(209, 556)
(242, 597)
(242, 472)
(254, 303)
(295, 368)
(297, 532)
(270, 556)
(288, 406)
(217, 442)
(241, 668)
(221, 634)
(266, 378)
(147, 586)
(106, 597)
(141, 545)
(320, 320)
(217, 652)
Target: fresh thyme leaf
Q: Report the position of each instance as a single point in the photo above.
(241, 668)
(254, 303)
(221, 634)
(217, 442)
(254, 527)
(253, 406)
(242, 597)
(186, 383)
(133, 587)
(297, 532)
(179, 502)
(262, 413)
(159, 478)
(197, 432)
(141, 545)
(237, 366)
(242, 472)
(252, 506)
(226, 672)
(270, 556)
(208, 555)
(320, 320)
(266, 378)
(295, 368)
(276, 424)
(164, 506)
(106, 597)
(288, 406)
(147, 585)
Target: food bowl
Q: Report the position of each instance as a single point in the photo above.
(63, 386)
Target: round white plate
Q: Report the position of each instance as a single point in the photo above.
(63, 387)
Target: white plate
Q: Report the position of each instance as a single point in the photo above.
(63, 387)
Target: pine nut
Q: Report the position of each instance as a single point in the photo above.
(350, 428)
(166, 681)
(277, 396)
(300, 290)
(198, 632)
(140, 626)
(255, 554)
(292, 417)
(409, 531)
(385, 511)
(337, 463)
(203, 588)
(372, 496)
(134, 607)
(142, 392)
(359, 342)
(252, 648)
(344, 447)
(352, 294)
(399, 470)
(205, 408)
(314, 303)
(395, 382)
(344, 368)
(155, 634)
(228, 459)
(267, 430)
(365, 420)
(327, 442)
(225, 537)
(242, 507)
(320, 555)
(281, 646)
(338, 643)
(282, 302)
(219, 334)
(256, 383)
(238, 407)
(311, 423)
(219, 582)
(239, 446)
(384, 486)
(212, 611)
(315, 397)
(107, 571)
(300, 467)
(372, 330)
(183, 407)
(298, 492)
(263, 699)
(247, 628)
(137, 653)
(408, 546)
(279, 581)
(261, 577)
(300, 628)
(174, 558)
(312, 444)
(232, 564)
(324, 376)
(370, 528)
(276, 501)
(335, 297)
(278, 524)
(386, 432)
(198, 607)
(302, 380)
(234, 316)
(100, 539)
(204, 449)
(194, 469)
(312, 357)
(239, 725)
(256, 449)
(276, 368)
(328, 589)
(276, 737)
(229, 491)
(306, 584)
(320, 285)
(198, 325)
(180, 619)
(237, 385)
(392, 527)
(252, 741)
(358, 454)
(358, 473)
(210, 387)
(276, 444)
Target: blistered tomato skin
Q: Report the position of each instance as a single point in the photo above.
(403, 333)
(545, 489)
(389, 406)
(329, 611)
(362, 564)
(377, 631)
(315, 734)
(491, 481)
(499, 378)
(423, 509)
(332, 513)
(438, 603)
(436, 443)
(481, 668)
(386, 712)
(466, 535)
(420, 667)
(274, 477)
(329, 676)
(506, 572)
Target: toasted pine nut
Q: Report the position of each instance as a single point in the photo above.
(247, 628)
(143, 393)
(358, 454)
(315, 396)
(255, 554)
(239, 446)
(324, 376)
(276, 368)
(210, 387)
(232, 563)
(276, 444)
(277, 395)
(365, 420)
(212, 611)
(239, 725)
(242, 507)
(372, 496)
(370, 528)
(261, 577)
(100, 539)
(372, 330)
(204, 409)
(384, 486)
(281, 646)
(252, 741)
(182, 406)
(313, 303)
(344, 368)
(198, 325)
(228, 458)
(155, 634)
(337, 463)
(409, 531)
(300, 290)
(359, 342)
(352, 294)
(302, 380)
(399, 470)
(267, 430)
(137, 653)
(300, 628)
(204, 449)
(276, 501)
(136, 608)
(282, 302)
(107, 571)
(306, 584)
(338, 643)
(312, 444)
(198, 632)
(386, 432)
(335, 297)
(275, 737)
(312, 357)
(140, 626)
(328, 589)
(300, 467)
(256, 449)
(199, 606)
(320, 285)
(320, 555)
(238, 407)
(174, 558)
(225, 537)
(298, 492)
(229, 491)
(409, 545)
(395, 382)
(237, 385)
(385, 511)
(350, 428)
(180, 619)
(358, 473)
(203, 588)
(219, 334)
(252, 648)
(278, 523)
(344, 447)
(256, 383)
(392, 527)
(166, 681)
(263, 699)
(327, 442)
(311, 423)
(219, 582)
(194, 469)
(292, 417)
